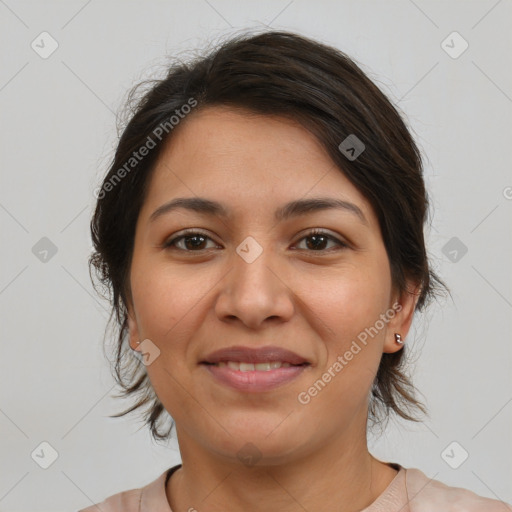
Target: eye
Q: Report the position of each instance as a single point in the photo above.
(195, 241)
(319, 239)
(191, 238)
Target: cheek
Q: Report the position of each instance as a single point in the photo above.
(168, 306)
(165, 301)
(349, 302)
(346, 308)
(352, 352)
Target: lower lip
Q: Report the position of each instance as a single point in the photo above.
(255, 381)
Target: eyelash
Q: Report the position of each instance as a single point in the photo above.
(188, 233)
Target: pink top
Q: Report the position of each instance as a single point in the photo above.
(410, 491)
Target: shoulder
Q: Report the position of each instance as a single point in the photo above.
(126, 501)
(150, 498)
(426, 494)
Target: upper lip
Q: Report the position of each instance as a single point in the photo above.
(254, 355)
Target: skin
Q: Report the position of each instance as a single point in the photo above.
(312, 301)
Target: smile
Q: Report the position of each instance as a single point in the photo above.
(248, 367)
(254, 377)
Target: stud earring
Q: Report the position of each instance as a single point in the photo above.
(398, 339)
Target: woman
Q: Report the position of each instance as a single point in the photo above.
(261, 231)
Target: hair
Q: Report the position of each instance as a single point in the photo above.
(283, 74)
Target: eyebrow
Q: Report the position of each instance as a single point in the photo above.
(292, 209)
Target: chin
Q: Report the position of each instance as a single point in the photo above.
(260, 447)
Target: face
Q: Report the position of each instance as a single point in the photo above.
(255, 278)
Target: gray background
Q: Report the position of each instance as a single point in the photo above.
(58, 132)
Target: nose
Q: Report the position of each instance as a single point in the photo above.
(255, 292)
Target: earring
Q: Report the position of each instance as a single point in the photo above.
(398, 339)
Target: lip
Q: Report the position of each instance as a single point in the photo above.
(266, 354)
(255, 381)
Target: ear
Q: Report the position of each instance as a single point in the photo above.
(403, 305)
(133, 329)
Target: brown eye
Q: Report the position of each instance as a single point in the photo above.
(191, 241)
(196, 241)
(318, 240)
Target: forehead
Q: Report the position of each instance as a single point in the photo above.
(220, 137)
(247, 160)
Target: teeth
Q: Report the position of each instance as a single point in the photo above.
(249, 367)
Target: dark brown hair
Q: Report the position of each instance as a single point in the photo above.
(272, 73)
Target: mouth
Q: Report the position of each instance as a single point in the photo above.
(247, 356)
(263, 366)
(254, 370)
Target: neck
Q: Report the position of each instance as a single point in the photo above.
(344, 477)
